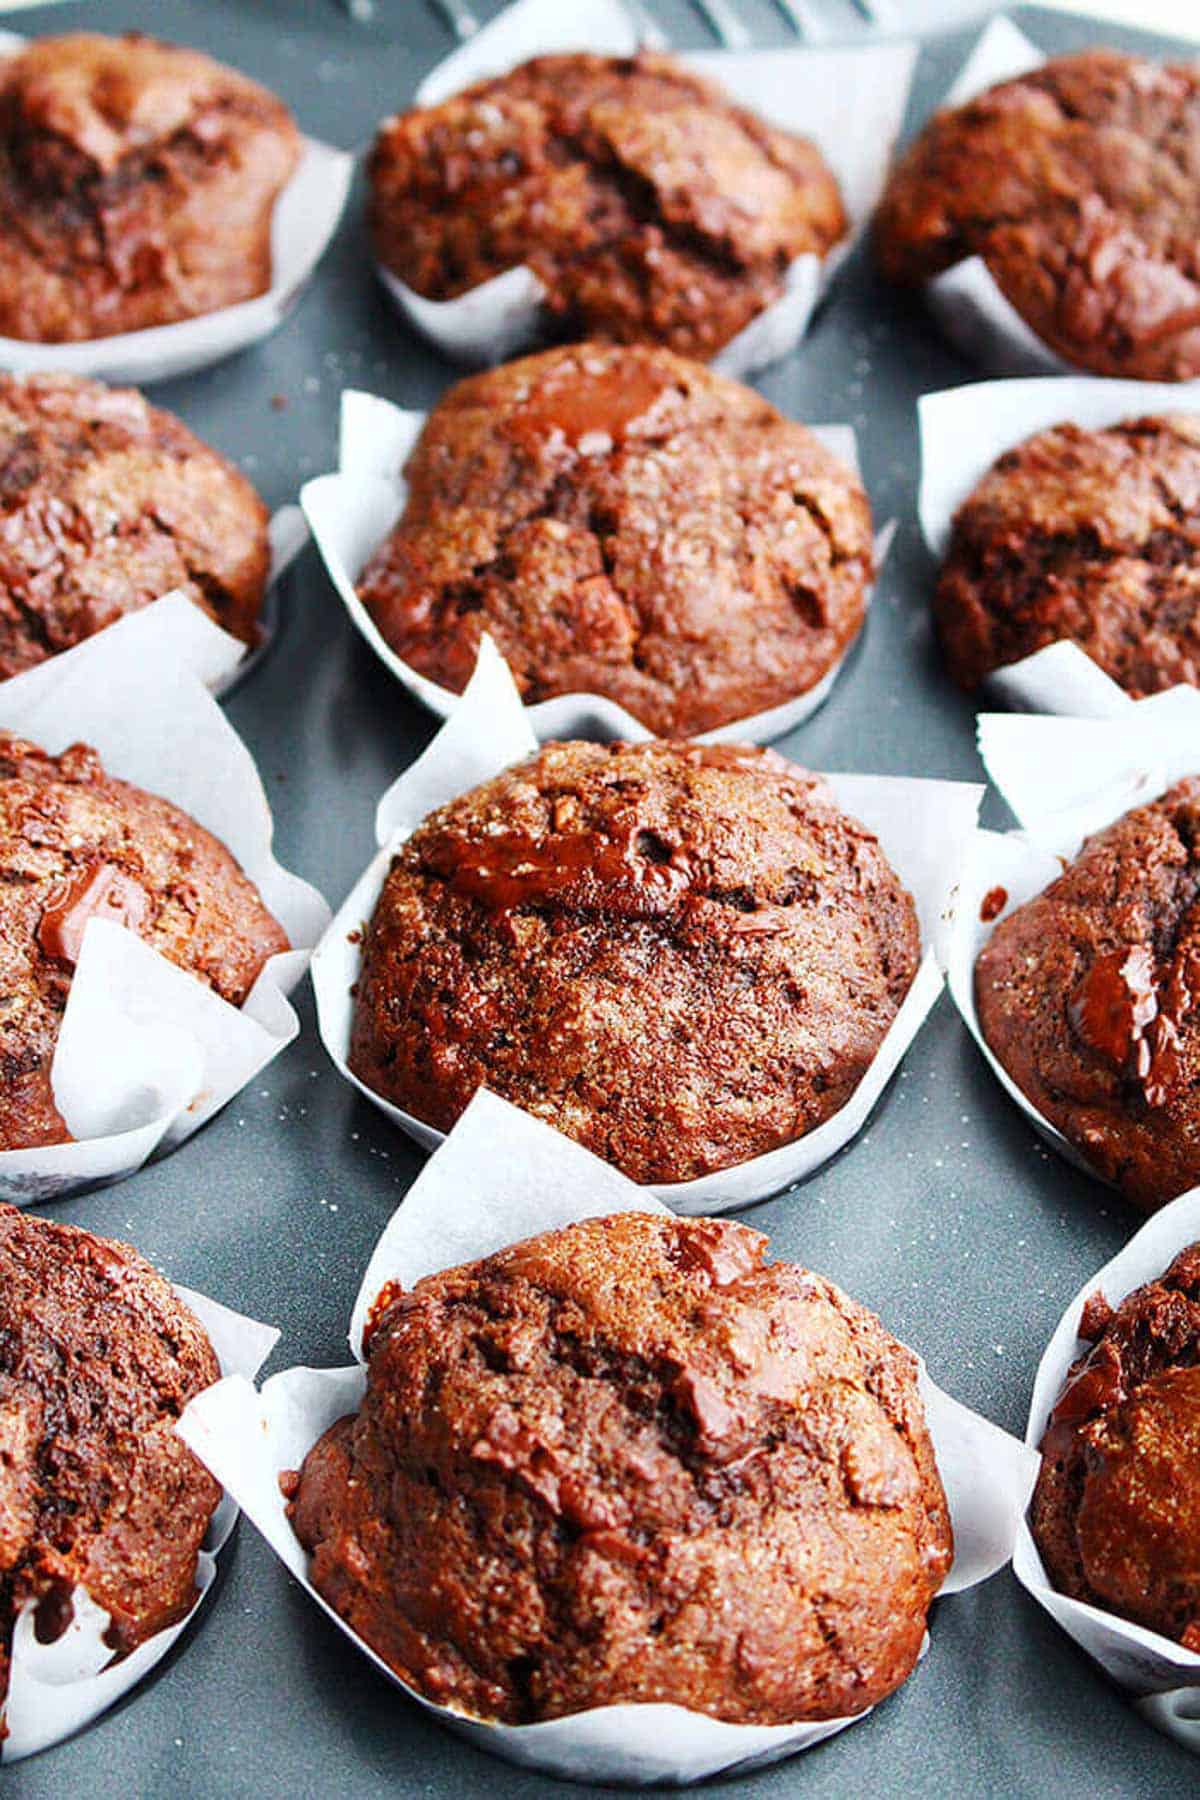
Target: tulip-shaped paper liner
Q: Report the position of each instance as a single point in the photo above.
(147, 1052)
(305, 218)
(964, 430)
(56, 1689)
(1064, 779)
(925, 828)
(352, 512)
(1164, 1677)
(825, 95)
(502, 1176)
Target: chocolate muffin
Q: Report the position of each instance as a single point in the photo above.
(1116, 1509)
(1089, 536)
(631, 1461)
(137, 184)
(1079, 186)
(76, 844)
(681, 955)
(1085, 995)
(649, 206)
(98, 1358)
(625, 523)
(107, 503)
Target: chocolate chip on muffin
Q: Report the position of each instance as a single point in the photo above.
(1116, 1510)
(98, 1358)
(76, 844)
(625, 523)
(680, 955)
(1079, 186)
(631, 1461)
(137, 184)
(1088, 536)
(650, 207)
(1086, 995)
(107, 503)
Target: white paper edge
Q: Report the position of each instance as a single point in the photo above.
(500, 1174)
(925, 828)
(49, 1705)
(91, 691)
(313, 198)
(1161, 1673)
(500, 317)
(364, 497)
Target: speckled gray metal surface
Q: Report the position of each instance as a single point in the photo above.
(947, 1215)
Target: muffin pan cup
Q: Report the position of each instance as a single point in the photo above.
(925, 828)
(147, 1052)
(352, 511)
(1064, 779)
(56, 1689)
(502, 1176)
(1163, 1677)
(305, 218)
(963, 431)
(824, 94)
(966, 300)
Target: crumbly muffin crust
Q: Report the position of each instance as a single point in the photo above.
(107, 503)
(1079, 185)
(137, 184)
(650, 207)
(1089, 536)
(631, 1461)
(1086, 996)
(76, 843)
(624, 522)
(680, 955)
(98, 1358)
(1116, 1510)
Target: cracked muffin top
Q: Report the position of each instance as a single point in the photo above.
(650, 207)
(1116, 1510)
(681, 955)
(107, 503)
(137, 184)
(626, 523)
(1089, 536)
(76, 844)
(631, 1461)
(1079, 185)
(98, 1358)
(1086, 995)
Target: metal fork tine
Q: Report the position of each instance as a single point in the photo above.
(724, 23)
(649, 36)
(802, 15)
(876, 12)
(458, 16)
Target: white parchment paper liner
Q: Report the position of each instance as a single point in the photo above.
(147, 1052)
(1162, 1674)
(305, 218)
(825, 94)
(352, 512)
(925, 828)
(1064, 779)
(56, 1689)
(966, 300)
(502, 1176)
(963, 431)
